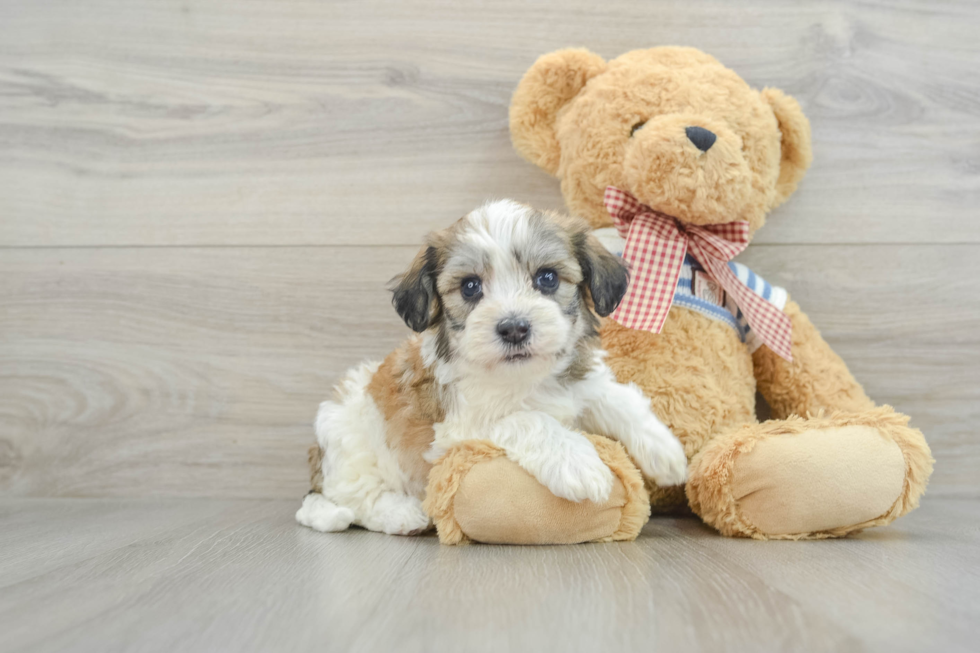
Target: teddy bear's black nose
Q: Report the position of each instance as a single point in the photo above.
(701, 137)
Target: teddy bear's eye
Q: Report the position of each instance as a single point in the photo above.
(637, 126)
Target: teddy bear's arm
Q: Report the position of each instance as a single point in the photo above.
(816, 379)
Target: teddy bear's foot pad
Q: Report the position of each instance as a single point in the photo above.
(477, 494)
(819, 480)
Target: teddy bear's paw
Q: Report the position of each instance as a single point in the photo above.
(662, 459)
(577, 475)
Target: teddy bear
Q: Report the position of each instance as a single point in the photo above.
(676, 162)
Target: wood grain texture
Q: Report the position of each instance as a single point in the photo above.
(218, 575)
(200, 203)
(189, 370)
(197, 371)
(131, 122)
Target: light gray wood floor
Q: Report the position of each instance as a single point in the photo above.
(200, 202)
(221, 575)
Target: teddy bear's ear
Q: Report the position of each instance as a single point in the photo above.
(796, 153)
(551, 82)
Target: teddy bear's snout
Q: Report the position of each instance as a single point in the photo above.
(690, 166)
(702, 138)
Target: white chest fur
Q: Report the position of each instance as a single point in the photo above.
(484, 401)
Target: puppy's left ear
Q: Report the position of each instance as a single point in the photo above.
(414, 292)
(604, 274)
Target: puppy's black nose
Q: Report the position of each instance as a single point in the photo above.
(513, 330)
(701, 137)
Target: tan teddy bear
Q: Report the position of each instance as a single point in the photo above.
(675, 154)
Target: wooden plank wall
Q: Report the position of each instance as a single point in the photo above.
(200, 203)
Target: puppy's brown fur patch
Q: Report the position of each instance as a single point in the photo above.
(315, 458)
(584, 358)
(406, 393)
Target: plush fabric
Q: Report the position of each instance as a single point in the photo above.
(798, 463)
(689, 138)
(781, 485)
(476, 494)
(829, 462)
(573, 115)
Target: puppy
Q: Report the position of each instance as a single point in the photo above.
(508, 352)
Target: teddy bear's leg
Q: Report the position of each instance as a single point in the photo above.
(810, 478)
(476, 493)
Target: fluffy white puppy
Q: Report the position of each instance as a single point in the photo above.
(508, 352)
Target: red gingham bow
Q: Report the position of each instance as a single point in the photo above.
(655, 249)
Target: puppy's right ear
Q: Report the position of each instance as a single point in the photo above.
(547, 86)
(414, 292)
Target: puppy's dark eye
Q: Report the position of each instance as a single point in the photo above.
(471, 287)
(546, 280)
(638, 125)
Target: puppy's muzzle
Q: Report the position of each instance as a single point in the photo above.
(514, 330)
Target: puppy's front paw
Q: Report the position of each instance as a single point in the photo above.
(661, 457)
(577, 474)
